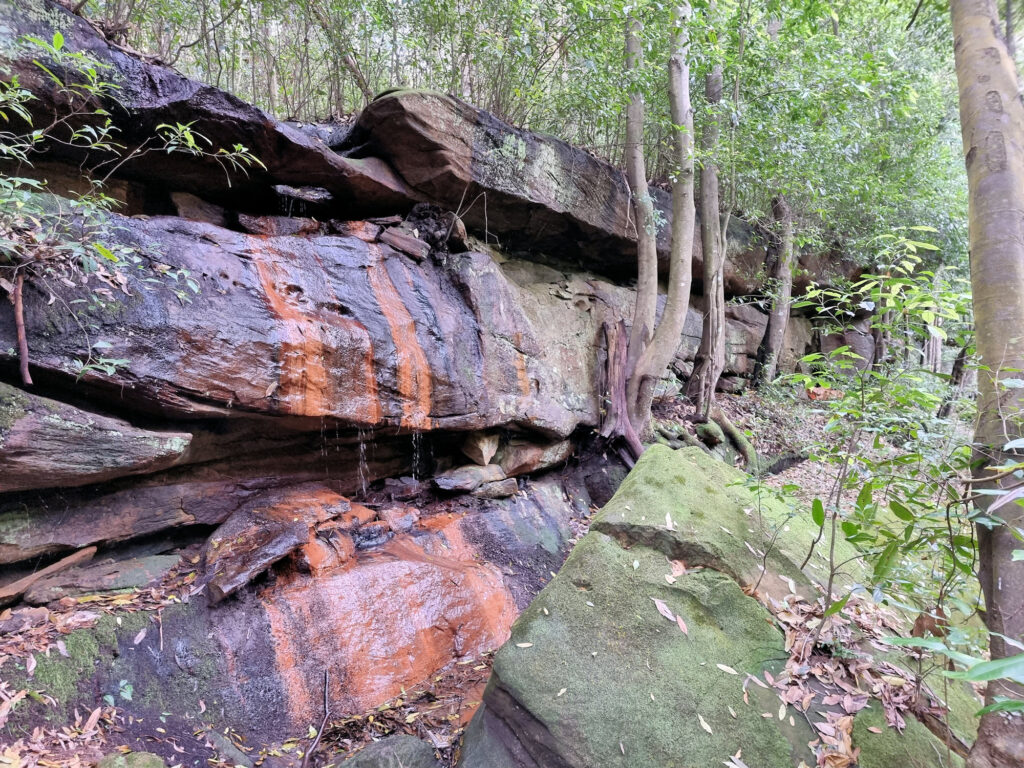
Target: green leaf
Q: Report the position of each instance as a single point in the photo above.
(105, 252)
(886, 561)
(1002, 705)
(1011, 667)
(837, 606)
(864, 497)
(1018, 554)
(850, 529)
(901, 511)
(818, 512)
(58, 41)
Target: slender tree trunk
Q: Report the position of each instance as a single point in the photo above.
(992, 123)
(710, 361)
(656, 356)
(643, 208)
(956, 382)
(778, 317)
(1011, 45)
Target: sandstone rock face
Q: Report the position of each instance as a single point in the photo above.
(45, 443)
(380, 619)
(316, 342)
(150, 95)
(325, 327)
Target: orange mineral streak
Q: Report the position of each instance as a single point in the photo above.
(303, 383)
(389, 619)
(306, 384)
(412, 368)
(289, 653)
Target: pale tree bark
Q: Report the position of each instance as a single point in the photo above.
(653, 360)
(710, 360)
(643, 207)
(992, 123)
(778, 317)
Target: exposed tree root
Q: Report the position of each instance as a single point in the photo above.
(738, 439)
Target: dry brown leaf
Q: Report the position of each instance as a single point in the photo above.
(663, 609)
(682, 625)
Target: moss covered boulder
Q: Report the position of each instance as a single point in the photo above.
(623, 660)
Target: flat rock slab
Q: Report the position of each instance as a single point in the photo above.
(105, 576)
(252, 540)
(398, 751)
(469, 477)
(45, 443)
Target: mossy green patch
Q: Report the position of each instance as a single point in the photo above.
(13, 406)
(718, 522)
(635, 685)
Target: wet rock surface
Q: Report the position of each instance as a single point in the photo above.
(353, 435)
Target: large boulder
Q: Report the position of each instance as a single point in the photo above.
(639, 652)
(535, 191)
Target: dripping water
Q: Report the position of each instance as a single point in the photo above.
(417, 453)
(363, 468)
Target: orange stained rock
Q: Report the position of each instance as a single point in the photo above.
(389, 620)
(306, 385)
(522, 376)
(412, 373)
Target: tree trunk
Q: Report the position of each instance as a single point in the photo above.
(956, 382)
(778, 317)
(651, 349)
(643, 207)
(656, 356)
(710, 361)
(992, 123)
(19, 324)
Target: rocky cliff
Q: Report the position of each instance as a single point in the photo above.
(352, 410)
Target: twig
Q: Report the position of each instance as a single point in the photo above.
(323, 723)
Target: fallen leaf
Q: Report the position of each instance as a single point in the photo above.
(704, 725)
(524, 645)
(727, 669)
(678, 567)
(668, 522)
(670, 578)
(560, 693)
(732, 713)
(682, 625)
(663, 609)
(140, 637)
(30, 664)
(93, 719)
